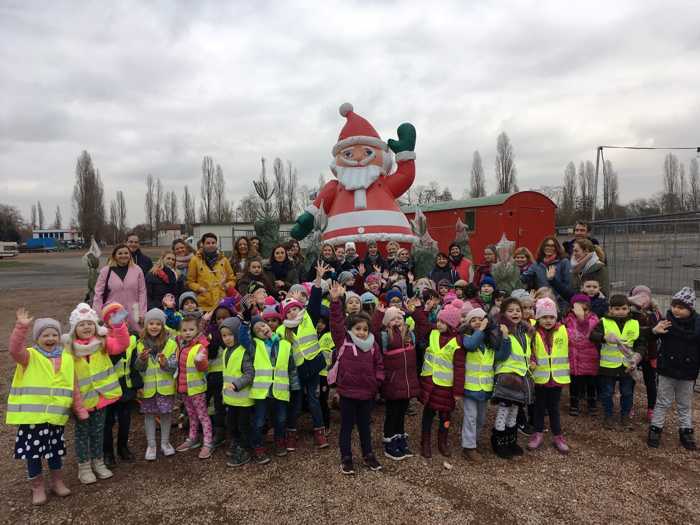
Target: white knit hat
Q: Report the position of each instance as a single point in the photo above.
(83, 312)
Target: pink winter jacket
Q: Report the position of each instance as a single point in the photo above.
(129, 292)
(583, 354)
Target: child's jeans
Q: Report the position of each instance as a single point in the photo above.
(681, 391)
(310, 388)
(278, 411)
(473, 421)
(355, 412)
(89, 436)
(197, 412)
(607, 390)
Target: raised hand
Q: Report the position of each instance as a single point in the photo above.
(23, 317)
(321, 269)
(579, 312)
(361, 269)
(484, 324)
(662, 327)
(337, 291)
(411, 277)
(551, 272)
(504, 330)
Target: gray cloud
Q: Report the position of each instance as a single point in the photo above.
(151, 88)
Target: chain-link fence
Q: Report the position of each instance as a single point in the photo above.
(662, 252)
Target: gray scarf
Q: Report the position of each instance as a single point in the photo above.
(363, 344)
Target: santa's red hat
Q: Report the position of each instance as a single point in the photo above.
(356, 131)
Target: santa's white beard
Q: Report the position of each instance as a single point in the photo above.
(358, 179)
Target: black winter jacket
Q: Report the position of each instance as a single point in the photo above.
(679, 349)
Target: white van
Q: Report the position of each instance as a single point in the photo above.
(8, 249)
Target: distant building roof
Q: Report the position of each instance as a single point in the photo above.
(489, 200)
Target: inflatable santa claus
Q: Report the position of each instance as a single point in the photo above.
(361, 203)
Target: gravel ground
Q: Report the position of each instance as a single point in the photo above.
(609, 476)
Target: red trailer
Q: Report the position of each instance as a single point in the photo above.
(525, 217)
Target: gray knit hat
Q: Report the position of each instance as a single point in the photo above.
(233, 324)
(298, 288)
(187, 295)
(42, 324)
(352, 295)
(154, 314)
(685, 296)
(344, 277)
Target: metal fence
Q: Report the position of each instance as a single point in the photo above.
(661, 251)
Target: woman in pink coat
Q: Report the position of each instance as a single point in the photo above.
(122, 281)
(583, 354)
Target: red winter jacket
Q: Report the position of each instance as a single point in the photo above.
(360, 374)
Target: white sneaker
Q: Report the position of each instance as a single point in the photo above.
(168, 449)
(151, 454)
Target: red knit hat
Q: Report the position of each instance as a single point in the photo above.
(290, 303)
(356, 131)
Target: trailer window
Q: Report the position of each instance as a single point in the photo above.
(470, 220)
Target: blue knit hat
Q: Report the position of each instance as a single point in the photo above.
(394, 292)
(487, 279)
(368, 298)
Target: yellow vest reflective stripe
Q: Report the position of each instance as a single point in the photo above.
(438, 361)
(610, 354)
(196, 380)
(155, 379)
(97, 377)
(517, 362)
(327, 346)
(305, 343)
(232, 370)
(266, 375)
(478, 370)
(39, 394)
(555, 365)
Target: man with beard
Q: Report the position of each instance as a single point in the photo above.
(361, 204)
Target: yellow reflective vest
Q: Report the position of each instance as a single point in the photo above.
(217, 365)
(266, 375)
(196, 380)
(478, 370)
(122, 367)
(610, 354)
(327, 345)
(97, 376)
(305, 344)
(155, 379)
(438, 361)
(554, 365)
(232, 370)
(518, 360)
(38, 393)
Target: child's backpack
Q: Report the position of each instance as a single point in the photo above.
(333, 372)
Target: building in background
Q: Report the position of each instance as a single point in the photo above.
(65, 235)
(167, 233)
(227, 233)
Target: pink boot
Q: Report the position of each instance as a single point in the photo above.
(535, 441)
(560, 444)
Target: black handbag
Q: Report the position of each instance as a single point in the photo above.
(308, 369)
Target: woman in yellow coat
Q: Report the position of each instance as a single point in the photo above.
(209, 274)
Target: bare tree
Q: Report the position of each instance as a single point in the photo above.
(264, 189)
(568, 193)
(505, 165)
(249, 208)
(694, 185)
(188, 207)
(477, 181)
(88, 198)
(170, 213)
(683, 188)
(34, 217)
(57, 219)
(219, 203)
(671, 178)
(611, 195)
(11, 223)
(586, 181)
(121, 215)
(207, 190)
(158, 212)
(279, 185)
(40, 214)
(113, 221)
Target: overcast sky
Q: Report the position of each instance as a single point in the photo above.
(151, 87)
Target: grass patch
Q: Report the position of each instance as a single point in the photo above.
(13, 264)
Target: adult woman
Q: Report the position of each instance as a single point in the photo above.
(392, 247)
(254, 247)
(163, 279)
(294, 253)
(373, 258)
(240, 256)
(482, 270)
(122, 281)
(552, 269)
(524, 259)
(254, 273)
(460, 263)
(183, 253)
(586, 264)
(210, 274)
(443, 270)
(280, 270)
(327, 257)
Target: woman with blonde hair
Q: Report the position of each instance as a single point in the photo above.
(163, 279)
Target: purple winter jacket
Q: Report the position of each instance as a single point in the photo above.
(360, 374)
(583, 354)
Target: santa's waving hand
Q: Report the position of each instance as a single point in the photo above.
(361, 204)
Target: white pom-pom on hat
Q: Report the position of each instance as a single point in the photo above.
(345, 108)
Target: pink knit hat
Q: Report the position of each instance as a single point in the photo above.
(545, 306)
(467, 307)
(287, 304)
(451, 314)
(392, 313)
(449, 297)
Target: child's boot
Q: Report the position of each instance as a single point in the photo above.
(280, 447)
(57, 485)
(100, 470)
(346, 466)
(654, 436)
(512, 440)
(291, 440)
(560, 444)
(239, 458)
(687, 438)
(573, 407)
(392, 449)
(403, 445)
(38, 490)
(426, 445)
(609, 423)
(472, 455)
(320, 437)
(372, 463)
(499, 444)
(443, 443)
(85, 473)
(592, 407)
(535, 441)
(260, 456)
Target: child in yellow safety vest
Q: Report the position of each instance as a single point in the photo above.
(238, 378)
(622, 348)
(550, 353)
(44, 388)
(526, 415)
(91, 346)
(192, 365)
(156, 362)
(325, 341)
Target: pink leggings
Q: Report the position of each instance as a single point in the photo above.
(196, 407)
